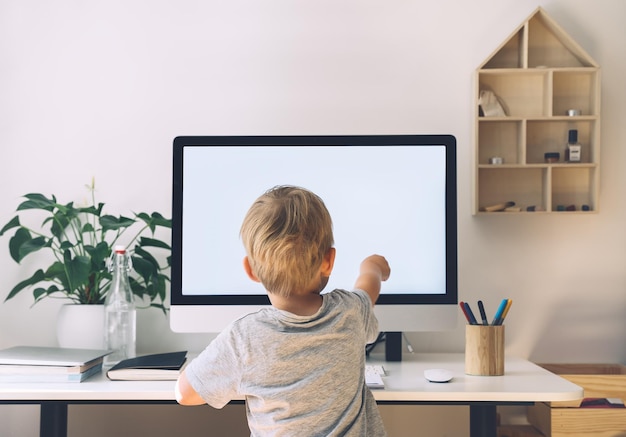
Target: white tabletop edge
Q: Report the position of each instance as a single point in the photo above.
(523, 381)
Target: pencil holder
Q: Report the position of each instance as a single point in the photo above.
(484, 350)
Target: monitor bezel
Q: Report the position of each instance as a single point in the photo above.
(448, 141)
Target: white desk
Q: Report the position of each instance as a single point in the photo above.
(523, 383)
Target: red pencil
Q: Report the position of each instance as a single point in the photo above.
(462, 305)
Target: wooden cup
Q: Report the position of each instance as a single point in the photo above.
(484, 350)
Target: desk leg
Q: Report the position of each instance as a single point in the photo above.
(53, 420)
(483, 421)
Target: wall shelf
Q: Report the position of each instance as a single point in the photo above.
(538, 75)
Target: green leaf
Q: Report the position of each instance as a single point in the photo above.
(91, 210)
(59, 224)
(33, 246)
(141, 253)
(143, 216)
(77, 270)
(146, 268)
(99, 255)
(151, 242)
(66, 245)
(57, 271)
(112, 223)
(40, 292)
(62, 219)
(21, 236)
(38, 276)
(154, 220)
(154, 290)
(159, 220)
(14, 223)
(160, 286)
(22, 243)
(38, 201)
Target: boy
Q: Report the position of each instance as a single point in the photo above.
(300, 363)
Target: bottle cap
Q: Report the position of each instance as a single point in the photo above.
(573, 136)
(119, 249)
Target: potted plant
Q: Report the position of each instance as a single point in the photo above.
(80, 240)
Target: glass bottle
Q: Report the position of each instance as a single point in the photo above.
(120, 314)
(573, 149)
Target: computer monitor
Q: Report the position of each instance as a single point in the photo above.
(393, 195)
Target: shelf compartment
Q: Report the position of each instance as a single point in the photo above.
(573, 185)
(525, 186)
(575, 89)
(550, 46)
(523, 93)
(510, 54)
(550, 135)
(501, 138)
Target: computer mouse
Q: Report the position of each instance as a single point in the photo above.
(438, 375)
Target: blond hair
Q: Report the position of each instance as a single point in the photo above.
(286, 233)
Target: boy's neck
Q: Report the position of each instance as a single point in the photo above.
(298, 304)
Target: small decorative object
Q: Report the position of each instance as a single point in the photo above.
(552, 157)
(490, 105)
(80, 240)
(572, 152)
(496, 160)
(533, 208)
(498, 206)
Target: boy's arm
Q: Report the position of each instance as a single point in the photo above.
(374, 270)
(185, 393)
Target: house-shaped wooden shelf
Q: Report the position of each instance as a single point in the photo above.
(543, 85)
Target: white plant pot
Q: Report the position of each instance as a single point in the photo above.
(81, 326)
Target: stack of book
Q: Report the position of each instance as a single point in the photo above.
(49, 364)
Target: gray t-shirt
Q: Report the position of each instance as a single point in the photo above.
(300, 375)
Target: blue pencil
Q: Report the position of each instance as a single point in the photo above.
(483, 314)
(505, 312)
(470, 314)
(499, 312)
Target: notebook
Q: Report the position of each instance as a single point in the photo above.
(155, 367)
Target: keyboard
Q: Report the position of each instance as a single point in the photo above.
(374, 376)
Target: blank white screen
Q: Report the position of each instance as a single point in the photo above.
(383, 199)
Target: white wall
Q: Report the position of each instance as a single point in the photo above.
(101, 89)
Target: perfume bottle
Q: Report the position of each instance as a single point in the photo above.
(573, 149)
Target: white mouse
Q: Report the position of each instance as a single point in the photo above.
(438, 375)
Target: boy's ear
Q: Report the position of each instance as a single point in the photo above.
(328, 262)
(248, 268)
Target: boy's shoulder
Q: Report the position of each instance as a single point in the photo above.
(340, 293)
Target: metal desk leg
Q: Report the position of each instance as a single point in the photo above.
(483, 420)
(53, 420)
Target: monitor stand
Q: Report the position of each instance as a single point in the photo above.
(393, 346)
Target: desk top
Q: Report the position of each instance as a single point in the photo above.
(522, 381)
